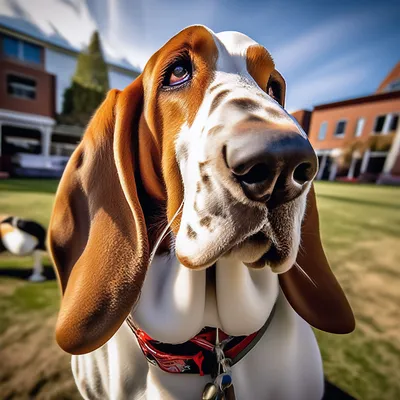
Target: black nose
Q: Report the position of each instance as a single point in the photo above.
(272, 166)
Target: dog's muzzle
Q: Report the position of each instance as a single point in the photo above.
(272, 165)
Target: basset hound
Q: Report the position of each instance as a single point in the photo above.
(186, 239)
(22, 237)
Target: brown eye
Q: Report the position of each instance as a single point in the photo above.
(178, 73)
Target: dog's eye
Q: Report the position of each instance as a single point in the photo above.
(178, 73)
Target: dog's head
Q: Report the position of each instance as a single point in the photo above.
(202, 140)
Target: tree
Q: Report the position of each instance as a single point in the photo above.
(88, 87)
(358, 146)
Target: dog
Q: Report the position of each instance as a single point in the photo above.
(186, 239)
(23, 237)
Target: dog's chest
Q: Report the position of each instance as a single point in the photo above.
(285, 364)
(176, 302)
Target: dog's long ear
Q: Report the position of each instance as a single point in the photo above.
(97, 234)
(321, 303)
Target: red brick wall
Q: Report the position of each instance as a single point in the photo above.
(43, 104)
(369, 111)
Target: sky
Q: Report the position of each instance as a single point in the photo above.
(326, 50)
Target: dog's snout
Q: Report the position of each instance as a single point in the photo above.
(270, 164)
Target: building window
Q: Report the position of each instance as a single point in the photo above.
(322, 131)
(340, 128)
(31, 53)
(393, 86)
(16, 140)
(379, 123)
(11, 47)
(394, 123)
(22, 87)
(359, 127)
(63, 145)
(23, 51)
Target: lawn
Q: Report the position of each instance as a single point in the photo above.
(361, 231)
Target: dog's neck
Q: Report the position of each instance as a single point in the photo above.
(176, 302)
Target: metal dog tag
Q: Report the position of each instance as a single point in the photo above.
(210, 391)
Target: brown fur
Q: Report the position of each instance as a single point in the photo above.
(5, 228)
(262, 68)
(259, 64)
(98, 227)
(124, 177)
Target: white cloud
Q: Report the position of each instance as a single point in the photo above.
(319, 41)
(336, 78)
(330, 87)
(319, 64)
(73, 24)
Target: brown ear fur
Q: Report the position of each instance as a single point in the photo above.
(324, 305)
(97, 233)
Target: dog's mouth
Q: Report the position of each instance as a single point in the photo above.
(260, 250)
(251, 249)
(256, 236)
(257, 250)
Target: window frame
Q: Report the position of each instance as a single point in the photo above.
(393, 86)
(382, 131)
(3, 45)
(356, 133)
(340, 135)
(34, 89)
(319, 131)
(394, 115)
(24, 59)
(21, 51)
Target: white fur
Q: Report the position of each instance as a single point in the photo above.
(284, 365)
(19, 242)
(232, 73)
(176, 302)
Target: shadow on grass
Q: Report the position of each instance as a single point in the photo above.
(358, 201)
(29, 185)
(25, 273)
(332, 392)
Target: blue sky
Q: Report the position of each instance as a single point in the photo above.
(326, 50)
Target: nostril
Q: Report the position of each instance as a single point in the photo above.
(303, 173)
(257, 174)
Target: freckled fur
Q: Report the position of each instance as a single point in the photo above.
(191, 233)
(212, 88)
(206, 221)
(218, 100)
(215, 130)
(245, 104)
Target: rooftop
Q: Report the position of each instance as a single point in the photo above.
(360, 100)
(26, 30)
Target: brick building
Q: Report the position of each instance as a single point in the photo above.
(34, 74)
(359, 138)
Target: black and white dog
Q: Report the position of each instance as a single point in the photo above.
(23, 237)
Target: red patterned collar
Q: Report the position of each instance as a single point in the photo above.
(196, 356)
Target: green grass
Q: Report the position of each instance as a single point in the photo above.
(31, 198)
(360, 229)
(32, 365)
